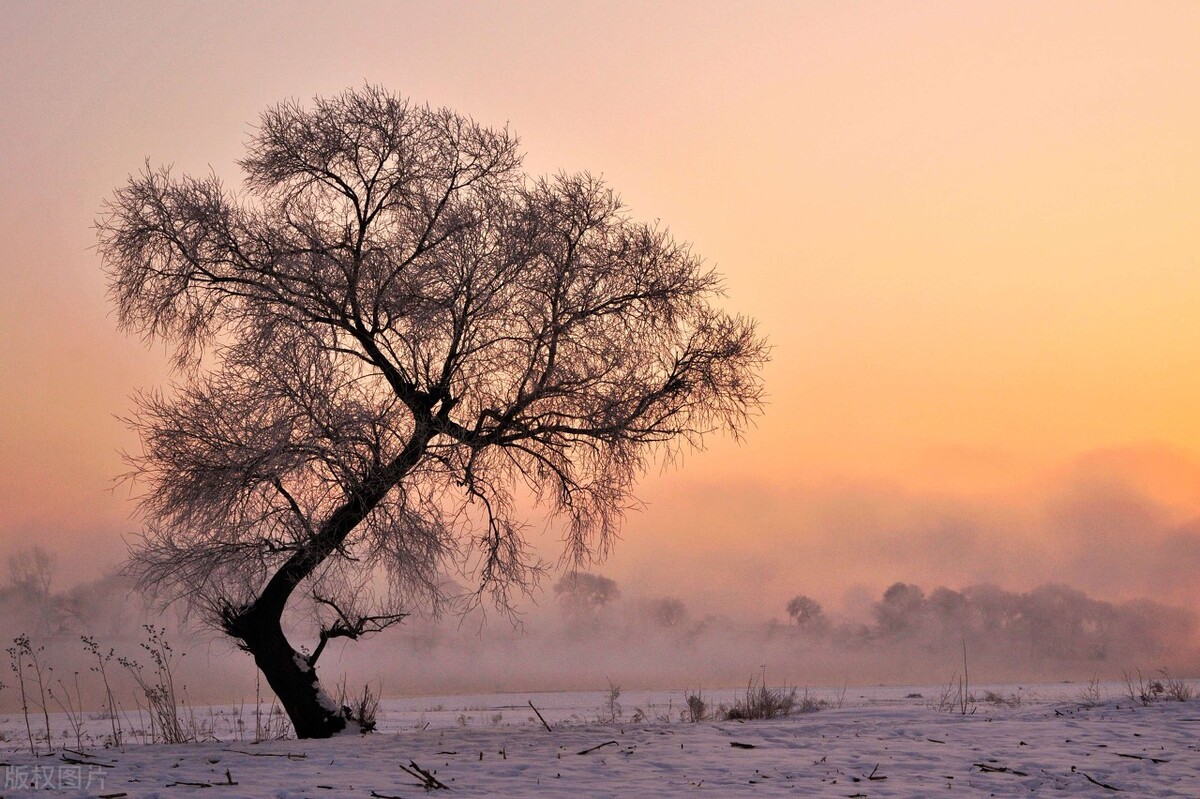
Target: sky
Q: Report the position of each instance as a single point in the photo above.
(967, 230)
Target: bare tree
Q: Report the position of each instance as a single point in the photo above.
(385, 338)
(669, 612)
(806, 612)
(31, 572)
(902, 608)
(585, 593)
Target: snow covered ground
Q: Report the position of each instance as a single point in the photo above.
(877, 742)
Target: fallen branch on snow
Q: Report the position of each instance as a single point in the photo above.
(429, 781)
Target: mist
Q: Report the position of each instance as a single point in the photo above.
(589, 631)
(1087, 569)
(1118, 524)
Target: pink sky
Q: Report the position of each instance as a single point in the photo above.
(967, 228)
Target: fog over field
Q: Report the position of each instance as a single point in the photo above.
(1092, 568)
(588, 631)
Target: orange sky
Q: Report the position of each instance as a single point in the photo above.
(967, 228)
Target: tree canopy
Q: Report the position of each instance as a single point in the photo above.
(382, 338)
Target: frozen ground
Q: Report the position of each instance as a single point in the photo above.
(880, 742)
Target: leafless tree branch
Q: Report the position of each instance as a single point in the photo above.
(381, 337)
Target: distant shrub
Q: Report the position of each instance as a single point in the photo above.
(668, 612)
(1090, 696)
(761, 702)
(809, 704)
(697, 708)
(807, 613)
(1168, 687)
(993, 698)
(954, 698)
(583, 592)
(612, 711)
(1177, 689)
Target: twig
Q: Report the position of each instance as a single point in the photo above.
(430, 782)
(76, 752)
(598, 746)
(288, 755)
(966, 679)
(1142, 757)
(740, 745)
(192, 784)
(1101, 784)
(76, 762)
(985, 768)
(872, 776)
(380, 795)
(539, 715)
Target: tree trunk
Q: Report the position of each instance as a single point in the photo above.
(290, 674)
(313, 713)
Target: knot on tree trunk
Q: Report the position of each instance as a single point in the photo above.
(242, 622)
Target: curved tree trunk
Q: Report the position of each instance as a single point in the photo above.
(293, 679)
(290, 674)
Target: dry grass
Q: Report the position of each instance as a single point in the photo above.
(697, 708)
(363, 707)
(761, 702)
(1090, 696)
(1145, 691)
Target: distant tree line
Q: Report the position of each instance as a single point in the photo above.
(1050, 621)
(31, 602)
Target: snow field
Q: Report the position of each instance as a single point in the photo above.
(885, 742)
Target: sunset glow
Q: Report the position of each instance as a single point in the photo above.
(968, 230)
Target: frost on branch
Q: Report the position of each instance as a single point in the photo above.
(383, 338)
